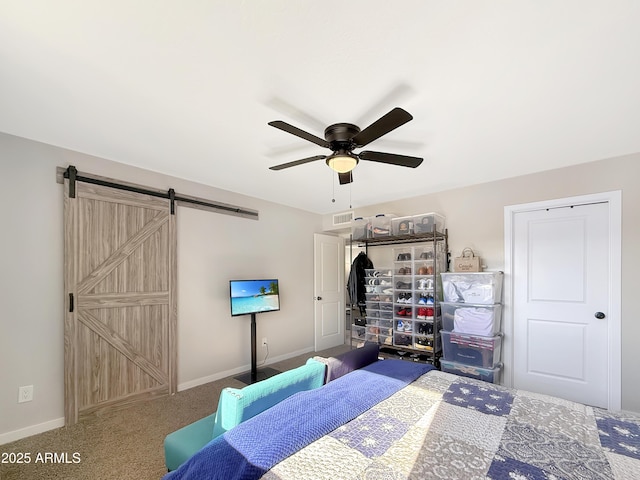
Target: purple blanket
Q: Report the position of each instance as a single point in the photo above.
(253, 447)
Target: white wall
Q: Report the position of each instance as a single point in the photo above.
(475, 218)
(210, 340)
(212, 248)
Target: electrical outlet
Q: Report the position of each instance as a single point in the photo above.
(25, 394)
(264, 342)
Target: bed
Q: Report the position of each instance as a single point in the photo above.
(396, 419)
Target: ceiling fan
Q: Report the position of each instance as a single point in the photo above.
(343, 138)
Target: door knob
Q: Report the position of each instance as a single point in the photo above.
(599, 315)
(318, 298)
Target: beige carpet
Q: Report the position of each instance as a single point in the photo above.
(126, 444)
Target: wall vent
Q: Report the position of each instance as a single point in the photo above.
(341, 219)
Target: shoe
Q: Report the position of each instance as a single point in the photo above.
(400, 326)
(422, 300)
(424, 284)
(423, 343)
(425, 312)
(408, 327)
(400, 298)
(425, 329)
(408, 299)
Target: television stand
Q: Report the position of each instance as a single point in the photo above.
(255, 375)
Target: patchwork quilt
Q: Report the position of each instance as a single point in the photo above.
(442, 426)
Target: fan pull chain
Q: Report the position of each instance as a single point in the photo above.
(350, 187)
(333, 186)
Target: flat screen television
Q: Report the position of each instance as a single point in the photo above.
(254, 296)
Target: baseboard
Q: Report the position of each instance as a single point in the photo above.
(235, 371)
(9, 437)
(31, 430)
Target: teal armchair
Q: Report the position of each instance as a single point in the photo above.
(237, 405)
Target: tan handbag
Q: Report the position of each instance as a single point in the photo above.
(467, 262)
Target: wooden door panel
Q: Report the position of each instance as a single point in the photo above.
(116, 257)
(120, 261)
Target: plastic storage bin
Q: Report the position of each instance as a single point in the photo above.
(387, 324)
(428, 223)
(381, 225)
(473, 350)
(402, 226)
(371, 337)
(472, 319)
(484, 288)
(491, 375)
(361, 228)
(403, 339)
(357, 332)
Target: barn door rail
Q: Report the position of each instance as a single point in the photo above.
(71, 173)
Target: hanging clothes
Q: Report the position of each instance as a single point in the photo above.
(355, 284)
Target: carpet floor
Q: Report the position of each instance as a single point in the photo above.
(127, 444)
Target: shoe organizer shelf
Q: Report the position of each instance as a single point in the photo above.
(403, 310)
(379, 305)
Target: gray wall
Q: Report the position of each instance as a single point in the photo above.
(475, 218)
(212, 248)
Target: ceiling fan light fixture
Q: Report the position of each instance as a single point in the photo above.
(342, 162)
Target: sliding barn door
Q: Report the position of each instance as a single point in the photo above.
(120, 281)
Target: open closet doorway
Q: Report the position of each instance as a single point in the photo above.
(351, 251)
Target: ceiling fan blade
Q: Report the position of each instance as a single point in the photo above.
(299, 133)
(298, 162)
(382, 126)
(391, 158)
(345, 178)
(397, 94)
(294, 113)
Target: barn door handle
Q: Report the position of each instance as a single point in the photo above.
(599, 315)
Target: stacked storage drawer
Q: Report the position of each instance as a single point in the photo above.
(471, 319)
(416, 310)
(379, 306)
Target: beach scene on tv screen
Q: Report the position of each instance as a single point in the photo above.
(254, 296)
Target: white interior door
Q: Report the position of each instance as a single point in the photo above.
(561, 302)
(329, 291)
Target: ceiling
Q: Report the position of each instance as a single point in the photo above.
(497, 88)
